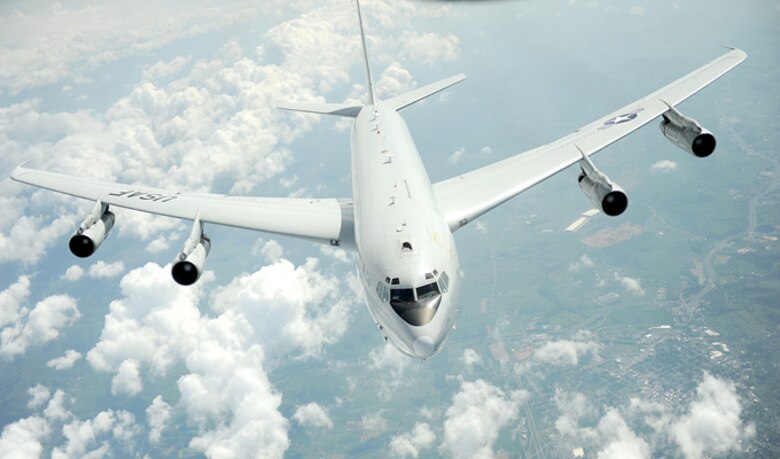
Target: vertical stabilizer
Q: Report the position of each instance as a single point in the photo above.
(371, 96)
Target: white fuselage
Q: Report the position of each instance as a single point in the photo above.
(403, 243)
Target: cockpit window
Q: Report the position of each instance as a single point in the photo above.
(417, 310)
(427, 291)
(402, 295)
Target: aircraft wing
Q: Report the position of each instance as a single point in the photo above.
(323, 220)
(465, 197)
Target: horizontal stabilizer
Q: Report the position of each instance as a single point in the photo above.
(405, 100)
(323, 108)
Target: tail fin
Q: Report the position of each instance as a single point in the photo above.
(322, 108)
(371, 94)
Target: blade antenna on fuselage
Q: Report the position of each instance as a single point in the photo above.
(371, 97)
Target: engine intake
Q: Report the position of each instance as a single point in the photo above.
(189, 264)
(610, 198)
(92, 231)
(687, 134)
(603, 193)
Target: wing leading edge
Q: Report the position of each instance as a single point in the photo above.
(463, 198)
(321, 220)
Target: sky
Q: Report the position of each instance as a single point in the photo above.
(273, 353)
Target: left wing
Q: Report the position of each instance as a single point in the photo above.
(466, 197)
(322, 220)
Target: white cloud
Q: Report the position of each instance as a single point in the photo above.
(567, 352)
(29, 237)
(583, 262)
(74, 273)
(631, 285)
(485, 152)
(664, 166)
(475, 418)
(103, 270)
(64, 362)
(12, 301)
(620, 442)
(41, 325)
(39, 394)
(272, 251)
(127, 379)
(49, 45)
(55, 409)
(456, 156)
(157, 414)
(312, 414)
(22, 439)
(393, 81)
(471, 357)
(278, 310)
(89, 438)
(410, 444)
(637, 10)
(712, 425)
(428, 47)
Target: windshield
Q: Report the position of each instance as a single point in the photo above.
(417, 309)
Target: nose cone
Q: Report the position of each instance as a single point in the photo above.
(424, 346)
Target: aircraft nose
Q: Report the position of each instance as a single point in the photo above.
(424, 346)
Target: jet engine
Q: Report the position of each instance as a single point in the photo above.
(92, 231)
(687, 133)
(605, 194)
(189, 264)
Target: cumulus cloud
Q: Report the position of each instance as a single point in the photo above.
(471, 357)
(632, 285)
(712, 426)
(278, 310)
(567, 352)
(73, 273)
(478, 413)
(90, 438)
(157, 415)
(103, 270)
(24, 328)
(272, 251)
(313, 415)
(127, 379)
(664, 166)
(39, 394)
(22, 439)
(49, 45)
(583, 262)
(64, 362)
(410, 444)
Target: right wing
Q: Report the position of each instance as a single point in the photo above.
(321, 220)
(463, 198)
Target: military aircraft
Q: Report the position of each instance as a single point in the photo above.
(397, 222)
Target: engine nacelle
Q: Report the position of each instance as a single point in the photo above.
(92, 231)
(189, 264)
(604, 194)
(687, 134)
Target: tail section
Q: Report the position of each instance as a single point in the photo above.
(371, 95)
(416, 95)
(323, 108)
(397, 102)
